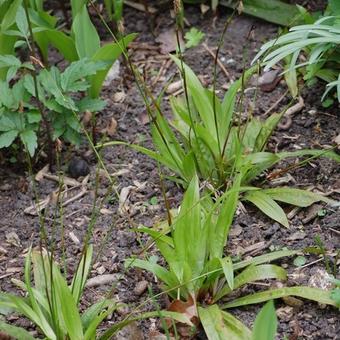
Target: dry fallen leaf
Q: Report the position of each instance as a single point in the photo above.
(187, 308)
(168, 41)
(41, 173)
(13, 239)
(111, 128)
(119, 97)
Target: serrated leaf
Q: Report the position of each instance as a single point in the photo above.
(299, 261)
(9, 60)
(29, 138)
(7, 138)
(91, 104)
(33, 116)
(193, 37)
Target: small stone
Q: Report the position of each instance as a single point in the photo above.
(141, 287)
(269, 80)
(78, 167)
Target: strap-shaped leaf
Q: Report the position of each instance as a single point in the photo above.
(314, 294)
(252, 274)
(298, 197)
(15, 332)
(268, 206)
(221, 325)
(265, 324)
(228, 271)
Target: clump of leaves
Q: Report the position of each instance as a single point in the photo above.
(193, 37)
(214, 144)
(198, 274)
(318, 41)
(22, 116)
(51, 304)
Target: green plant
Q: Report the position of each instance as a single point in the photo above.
(265, 325)
(114, 9)
(319, 41)
(274, 11)
(52, 305)
(21, 114)
(193, 37)
(198, 274)
(216, 145)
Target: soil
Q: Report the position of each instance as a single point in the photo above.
(113, 234)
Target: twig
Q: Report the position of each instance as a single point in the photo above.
(75, 197)
(292, 110)
(220, 64)
(275, 104)
(140, 7)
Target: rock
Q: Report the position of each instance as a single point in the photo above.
(112, 74)
(130, 332)
(78, 167)
(141, 287)
(268, 80)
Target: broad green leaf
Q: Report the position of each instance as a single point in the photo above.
(15, 331)
(265, 325)
(7, 138)
(21, 22)
(76, 6)
(228, 271)
(63, 43)
(9, 18)
(267, 205)
(298, 197)
(109, 52)
(85, 34)
(213, 323)
(29, 139)
(268, 10)
(314, 294)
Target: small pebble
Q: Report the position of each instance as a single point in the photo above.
(141, 287)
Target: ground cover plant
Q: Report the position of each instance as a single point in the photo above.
(318, 41)
(216, 145)
(214, 150)
(198, 274)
